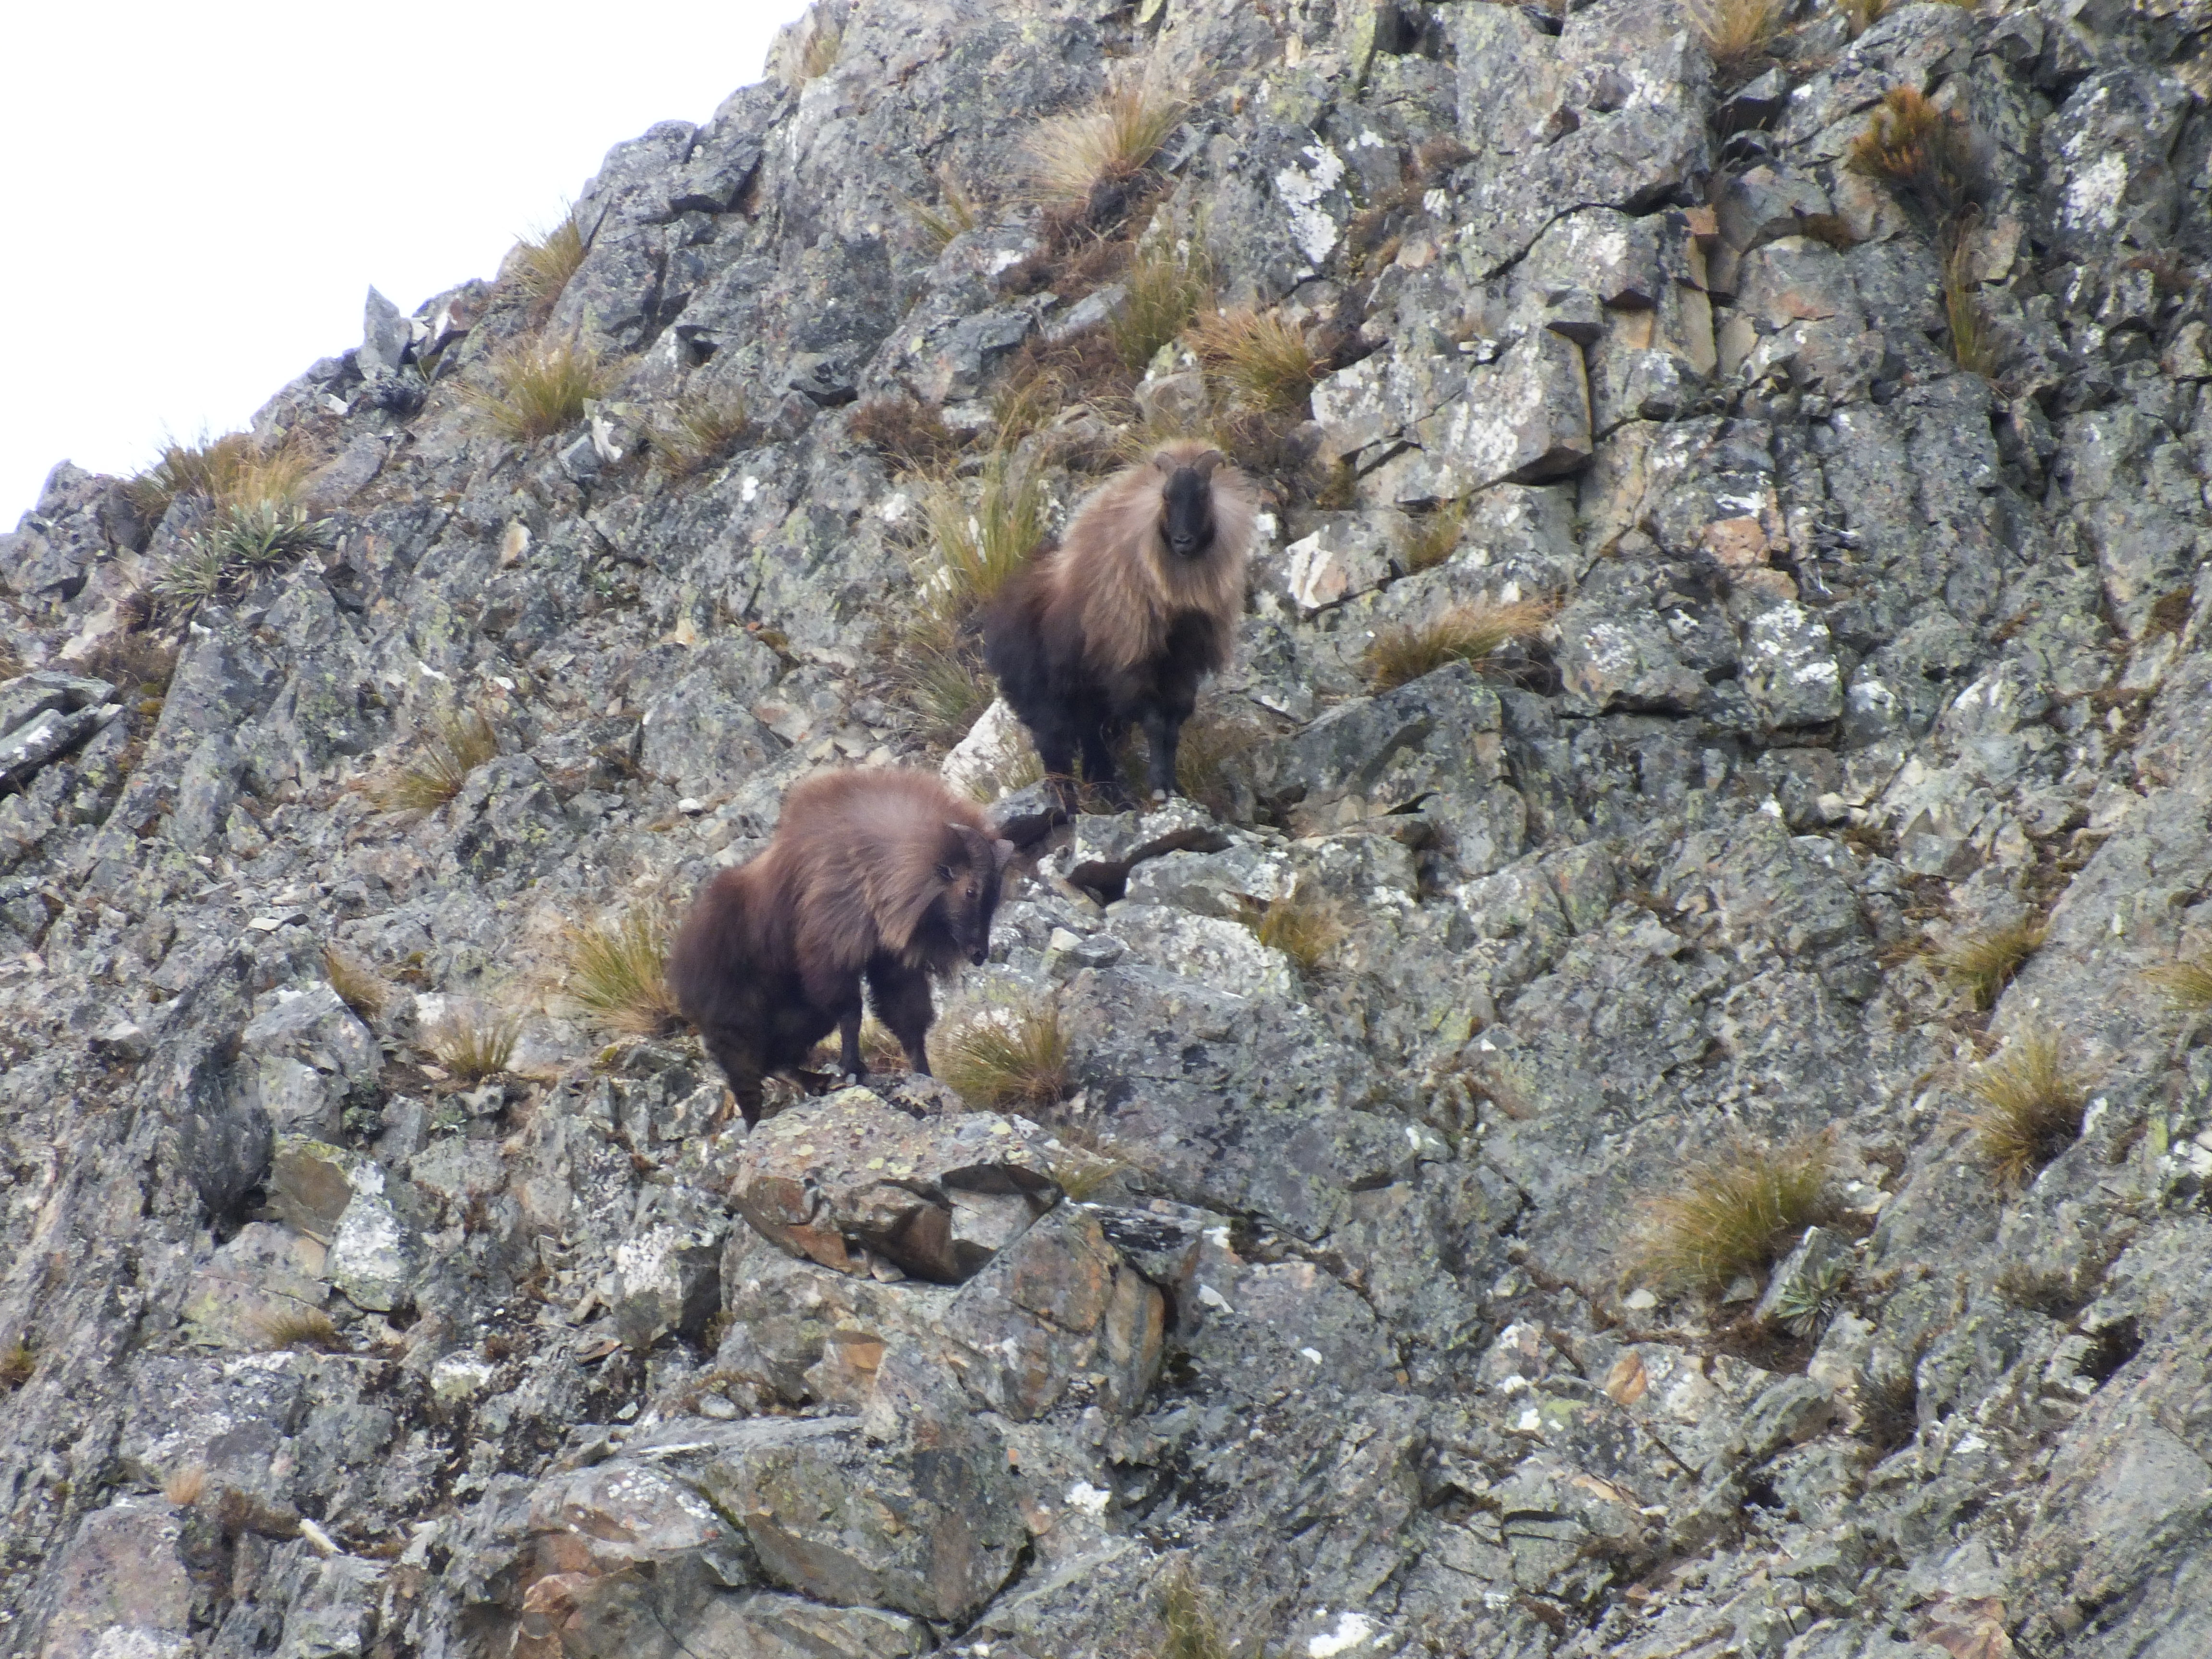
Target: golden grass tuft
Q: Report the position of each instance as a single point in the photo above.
(229, 471)
(1306, 929)
(1434, 537)
(1737, 1214)
(1262, 357)
(617, 977)
(17, 1361)
(1860, 15)
(1466, 633)
(2030, 1105)
(826, 41)
(1206, 759)
(1983, 964)
(1738, 34)
(1192, 1631)
(543, 262)
(298, 1328)
(2185, 985)
(1929, 153)
(1164, 288)
(977, 548)
(699, 430)
(1074, 157)
(1973, 337)
(1008, 1059)
(459, 741)
(473, 1041)
(539, 387)
(358, 984)
(185, 1485)
(938, 675)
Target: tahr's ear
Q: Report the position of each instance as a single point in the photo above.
(1163, 462)
(944, 873)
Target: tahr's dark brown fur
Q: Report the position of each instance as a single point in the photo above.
(1119, 623)
(884, 875)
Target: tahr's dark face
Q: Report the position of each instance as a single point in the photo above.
(973, 879)
(1187, 513)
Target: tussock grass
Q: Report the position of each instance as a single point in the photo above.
(223, 557)
(1738, 34)
(1931, 155)
(1306, 929)
(1738, 1213)
(358, 984)
(977, 548)
(616, 974)
(699, 430)
(2185, 985)
(232, 470)
(17, 1361)
(1860, 15)
(938, 675)
(1466, 633)
(1192, 1630)
(825, 40)
(956, 211)
(1434, 537)
(298, 1328)
(539, 387)
(543, 261)
(1982, 964)
(1005, 1060)
(1262, 357)
(459, 741)
(1165, 289)
(1974, 344)
(473, 1041)
(911, 432)
(183, 1486)
(2030, 1105)
(1206, 759)
(1078, 160)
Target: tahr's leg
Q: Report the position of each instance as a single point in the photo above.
(901, 995)
(1101, 771)
(1162, 733)
(848, 1041)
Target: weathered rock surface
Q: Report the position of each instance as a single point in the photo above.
(1303, 1285)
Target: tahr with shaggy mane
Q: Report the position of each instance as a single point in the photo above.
(1117, 624)
(883, 875)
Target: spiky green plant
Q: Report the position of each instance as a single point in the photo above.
(1466, 633)
(2032, 1102)
(1737, 1214)
(252, 534)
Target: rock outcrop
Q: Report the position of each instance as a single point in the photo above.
(1295, 1275)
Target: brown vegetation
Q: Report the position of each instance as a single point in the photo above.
(1008, 1059)
(1466, 633)
(1738, 1213)
(2031, 1109)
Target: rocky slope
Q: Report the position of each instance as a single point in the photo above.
(1320, 1316)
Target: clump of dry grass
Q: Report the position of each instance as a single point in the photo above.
(956, 211)
(1007, 1059)
(699, 430)
(825, 40)
(1262, 357)
(1930, 154)
(2185, 985)
(17, 1361)
(1078, 162)
(543, 262)
(539, 387)
(2030, 1105)
(1738, 34)
(912, 434)
(1738, 1213)
(1192, 1630)
(617, 974)
(1305, 928)
(229, 471)
(1466, 633)
(1205, 758)
(473, 1041)
(460, 741)
(185, 1485)
(1982, 964)
(298, 1328)
(1973, 337)
(1164, 287)
(358, 984)
(938, 675)
(976, 548)
(1434, 537)
(1860, 15)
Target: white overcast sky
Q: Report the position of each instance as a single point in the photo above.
(195, 196)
